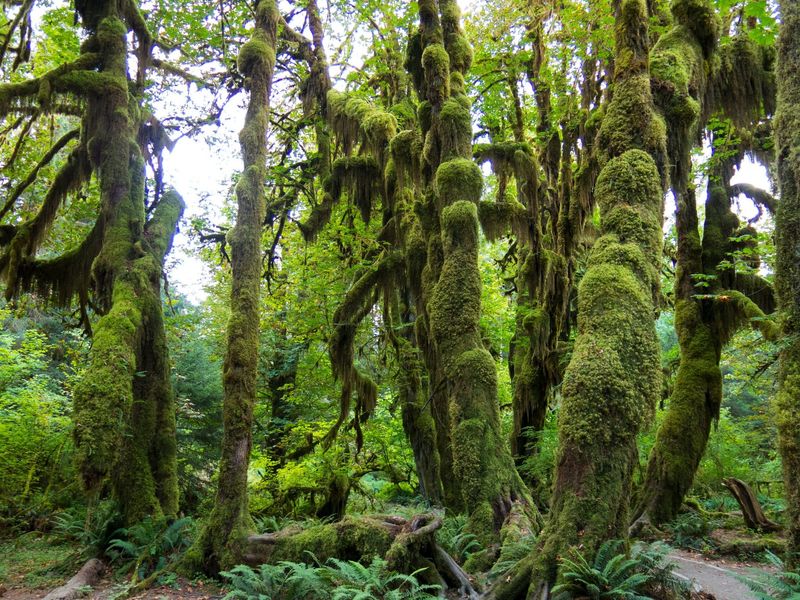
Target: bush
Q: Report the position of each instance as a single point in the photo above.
(614, 576)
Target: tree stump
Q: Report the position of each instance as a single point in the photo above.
(754, 516)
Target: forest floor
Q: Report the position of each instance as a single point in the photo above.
(32, 567)
(716, 576)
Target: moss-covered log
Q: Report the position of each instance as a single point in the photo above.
(221, 542)
(408, 545)
(787, 276)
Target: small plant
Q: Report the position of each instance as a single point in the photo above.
(455, 540)
(93, 530)
(338, 580)
(688, 530)
(783, 585)
(149, 546)
(613, 575)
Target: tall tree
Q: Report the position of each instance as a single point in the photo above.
(787, 275)
(124, 424)
(221, 542)
(613, 380)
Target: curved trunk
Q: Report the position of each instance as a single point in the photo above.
(221, 542)
(787, 276)
(484, 480)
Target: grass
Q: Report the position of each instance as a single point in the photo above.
(34, 561)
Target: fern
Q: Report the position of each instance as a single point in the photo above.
(783, 585)
(264, 584)
(613, 575)
(455, 540)
(148, 546)
(337, 580)
(510, 554)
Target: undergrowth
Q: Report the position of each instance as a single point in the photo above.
(336, 580)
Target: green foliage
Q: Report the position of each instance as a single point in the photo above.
(36, 364)
(454, 538)
(689, 530)
(149, 546)
(781, 585)
(614, 575)
(90, 529)
(337, 580)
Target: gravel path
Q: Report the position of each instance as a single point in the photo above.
(717, 577)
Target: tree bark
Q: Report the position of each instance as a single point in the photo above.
(787, 275)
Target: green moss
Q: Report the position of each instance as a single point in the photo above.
(459, 179)
(455, 130)
(700, 18)
(254, 54)
(500, 218)
(460, 51)
(424, 111)
(436, 65)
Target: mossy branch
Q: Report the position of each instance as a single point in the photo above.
(749, 311)
(45, 160)
(759, 196)
(55, 79)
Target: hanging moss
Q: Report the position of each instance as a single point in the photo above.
(360, 177)
(743, 86)
(500, 218)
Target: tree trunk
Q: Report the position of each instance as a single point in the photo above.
(614, 378)
(787, 275)
(484, 478)
(221, 543)
(125, 426)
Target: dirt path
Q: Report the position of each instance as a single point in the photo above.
(717, 577)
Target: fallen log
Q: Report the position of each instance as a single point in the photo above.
(88, 575)
(408, 545)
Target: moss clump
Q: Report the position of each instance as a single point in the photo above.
(700, 18)
(255, 54)
(455, 130)
(436, 65)
(459, 179)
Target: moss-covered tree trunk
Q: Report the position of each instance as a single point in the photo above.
(125, 425)
(482, 477)
(221, 542)
(614, 377)
(787, 276)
